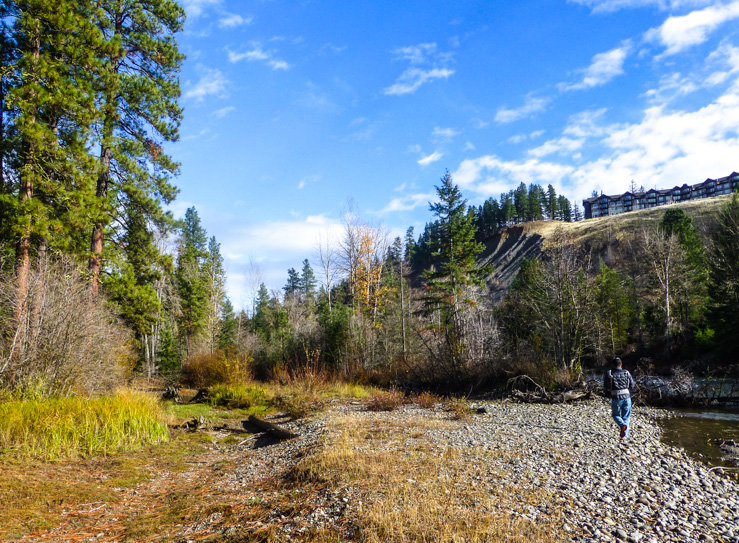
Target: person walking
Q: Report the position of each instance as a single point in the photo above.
(618, 382)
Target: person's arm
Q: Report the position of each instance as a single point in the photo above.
(607, 380)
(632, 383)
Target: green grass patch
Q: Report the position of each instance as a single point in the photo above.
(244, 396)
(80, 427)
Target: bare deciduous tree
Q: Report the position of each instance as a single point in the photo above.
(59, 351)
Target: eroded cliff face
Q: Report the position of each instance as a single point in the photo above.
(506, 250)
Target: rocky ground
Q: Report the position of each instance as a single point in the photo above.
(595, 487)
(640, 490)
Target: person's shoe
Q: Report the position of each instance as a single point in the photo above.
(623, 431)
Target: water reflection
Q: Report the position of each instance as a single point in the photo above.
(700, 432)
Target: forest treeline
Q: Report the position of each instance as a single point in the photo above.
(98, 280)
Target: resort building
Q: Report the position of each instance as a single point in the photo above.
(604, 205)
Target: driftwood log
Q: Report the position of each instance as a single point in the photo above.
(540, 395)
(272, 429)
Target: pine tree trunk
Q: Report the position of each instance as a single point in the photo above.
(103, 180)
(23, 245)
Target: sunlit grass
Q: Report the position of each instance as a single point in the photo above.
(419, 490)
(80, 427)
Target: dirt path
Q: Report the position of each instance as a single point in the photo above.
(220, 488)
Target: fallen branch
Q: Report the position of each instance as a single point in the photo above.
(273, 429)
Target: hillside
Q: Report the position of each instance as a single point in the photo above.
(506, 250)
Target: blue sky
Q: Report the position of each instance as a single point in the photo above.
(294, 107)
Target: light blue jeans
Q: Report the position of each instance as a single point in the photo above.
(621, 411)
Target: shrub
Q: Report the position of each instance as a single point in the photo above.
(387, 400)
(237, 396)
(299, 403)
(427, 400)
(68, 342)
(458, 408)
(206, 370)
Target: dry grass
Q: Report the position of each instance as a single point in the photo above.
(37, 496)
(702, 212)
(412, 489)
(427, 400)
(386, 400)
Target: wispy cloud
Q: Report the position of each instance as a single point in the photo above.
(212, 83)
(310, 179)
(221, 113)
(442, 135)
(195, 8)
(531, 106)
(678, 33)
(667, 146)
(429, 159)
(603, 68)
(410, 80)
(258, 54)
(427, 64)
(601, 6)
(407, 203)
(233, 20)
(563, 145)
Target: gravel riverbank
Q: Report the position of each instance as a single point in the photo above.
(638, 491)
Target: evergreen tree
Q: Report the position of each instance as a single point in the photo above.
(564, 212)
(216, 287)
(455, 255)
(551, 199)
(51, 105)
(293, 283)
(535, 200)
(521, 202)
(228, 330)
(307, 280)
(192, 283)
(410, 244)
(138, 90)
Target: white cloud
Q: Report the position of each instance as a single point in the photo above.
(531, 106)
(520, 138)
(678, 33)
(480, 124)
(211, 83)
(444, 134)
(416, 54)
(426, 65)
(586, 123)
(257, 54)
(666, 147)
(562, 145)
(233, 20)
(407, 203)
(308, 180)
(433, 157)
(615, 5)
(469, 146)
(221, 113)
(490, 175)
(603, 68)
(195, 8)
(411, 79)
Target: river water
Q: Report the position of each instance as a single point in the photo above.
(699, 430)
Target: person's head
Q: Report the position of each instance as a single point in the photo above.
(617, 362)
